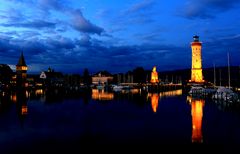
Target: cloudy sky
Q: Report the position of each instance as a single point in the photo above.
(117, 36)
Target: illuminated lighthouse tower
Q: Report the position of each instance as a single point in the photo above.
(196, 75)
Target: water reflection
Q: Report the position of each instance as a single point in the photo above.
(171, 93)
(39, 92)
(156, 96)
(197, 114)
(14, 97)
(154, 102)
(101, 95)
(132, 91)
(21, 104)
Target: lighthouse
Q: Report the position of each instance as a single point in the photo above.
(196, 72)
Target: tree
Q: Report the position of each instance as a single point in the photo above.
(5, 74)
(87, 80)
(139, 75)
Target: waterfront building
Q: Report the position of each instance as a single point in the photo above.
(52, 78)
(102, 78)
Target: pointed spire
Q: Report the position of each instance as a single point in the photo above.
(21, 61)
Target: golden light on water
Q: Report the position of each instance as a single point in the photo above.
(171, 93)
(101, 95)
(27, 94)
(197, 114)
(154, 102)
(156, 96)
(14, 98)
(24, 110)
(39, 92)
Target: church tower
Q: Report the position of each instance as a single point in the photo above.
(21, 71)
(196, 73)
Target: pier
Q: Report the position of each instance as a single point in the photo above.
(162, 87)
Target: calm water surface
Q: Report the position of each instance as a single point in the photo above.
(36, 120)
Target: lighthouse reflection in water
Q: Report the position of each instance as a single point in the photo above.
(155, 97)
(126, 117)
(197, 105)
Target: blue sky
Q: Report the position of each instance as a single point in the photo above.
(117, 36)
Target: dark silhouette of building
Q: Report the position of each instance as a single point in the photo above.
(5, 74)
(21, 71)
(51, 78)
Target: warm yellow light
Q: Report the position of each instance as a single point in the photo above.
(39, 92)
(154, 102)
(171, 93)
(154, 75)
(24, 110)
(101, 95)
(19, 68)
(14, 98)
(196, 75)
(24, 68)
(197, 114)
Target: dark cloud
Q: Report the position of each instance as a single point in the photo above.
(206, 8)
(76, 19)
(51, 4)
(37, 24)
(28, 34)
(13, 15)
(72, 55)
(84, 41)
(137, 13)
(149, 37)
(215, 50)
(61, 42)
(140, 6)
(62, 29)
(44, 4)
(80, 23)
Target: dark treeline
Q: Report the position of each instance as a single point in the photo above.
(139, 75)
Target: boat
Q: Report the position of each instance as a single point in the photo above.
(100, 87)
(196, 90)
(225, 94)
(117, 88)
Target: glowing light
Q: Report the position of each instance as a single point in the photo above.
(23, 68)
(135, 91)
(27, 94)
(24, 110)
(39, 92)
(171, 93)
(197, 114)
(14, 98)
(196, 73)
(154, 75)
(154, 102)
(101, 95)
